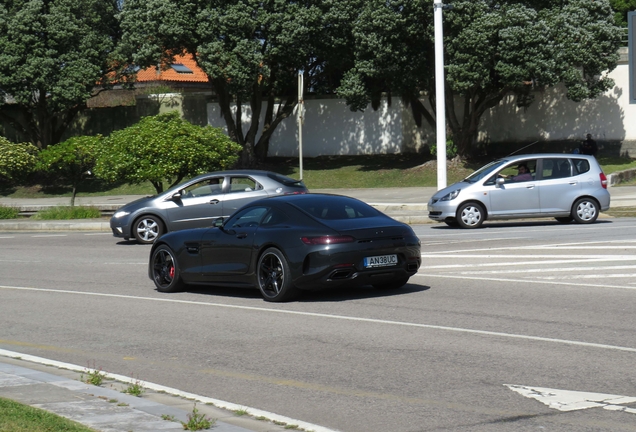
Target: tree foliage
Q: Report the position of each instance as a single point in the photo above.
(492, 49)
(17, 161)
(621, 8)
(164, 148)
(251, 49)
(71, 160)
(52, 55)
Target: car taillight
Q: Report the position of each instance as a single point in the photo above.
(603, 180)
(326, 240)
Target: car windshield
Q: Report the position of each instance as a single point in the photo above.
(485, 171)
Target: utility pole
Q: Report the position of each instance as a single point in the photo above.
(440, 106)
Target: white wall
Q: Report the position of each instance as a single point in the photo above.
(331, 128)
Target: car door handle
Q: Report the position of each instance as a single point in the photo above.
(214, 201)
(530, 186)
(573, 183)
(241, 235)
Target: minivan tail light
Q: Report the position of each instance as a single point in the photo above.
(603, 180)
(326, 240)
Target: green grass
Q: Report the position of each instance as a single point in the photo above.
(16, 417)
(325, 172)
(67, 213)
(7, 212)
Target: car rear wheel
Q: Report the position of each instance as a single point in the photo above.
(274, 277)
(147, 229)
(399, 283)
(585, 211)
(470, 215)
(165, 270)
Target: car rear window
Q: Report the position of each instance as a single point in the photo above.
(287, 181)
(335, 208)
(581, 166)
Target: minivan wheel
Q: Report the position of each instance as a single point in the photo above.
(470, 215)
(585, 211)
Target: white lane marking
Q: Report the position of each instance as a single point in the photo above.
(516, 281)
(589, 276)
(537, 270)
(567, 400)
(7, 237)
(508, 264)
(49, 235)
(99, 234)
(451, 255)
(337, 317)
(473, 240)
(159, 388)
(566, 247)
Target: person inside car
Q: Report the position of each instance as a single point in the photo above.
(523, 174)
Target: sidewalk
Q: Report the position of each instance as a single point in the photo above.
(57, 387)
(408, 205)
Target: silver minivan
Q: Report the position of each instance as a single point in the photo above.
(568, 187)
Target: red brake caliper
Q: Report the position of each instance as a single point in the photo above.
(172, 272)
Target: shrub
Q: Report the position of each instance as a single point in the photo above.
(17, 161)
(164, 148)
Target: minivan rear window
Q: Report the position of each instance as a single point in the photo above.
(581, 166)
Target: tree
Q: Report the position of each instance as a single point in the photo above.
(164, 148)
(621, 8)
(252, 51)
(16, 160)
(71, 160)
(52, 55)
(492, 49)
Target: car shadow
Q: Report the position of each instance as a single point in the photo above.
(358, 293)
(326, 295)
(509, 224)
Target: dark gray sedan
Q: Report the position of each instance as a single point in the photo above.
(197, 202)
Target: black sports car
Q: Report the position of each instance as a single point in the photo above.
(288, 243)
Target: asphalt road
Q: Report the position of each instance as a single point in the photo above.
(493, 316)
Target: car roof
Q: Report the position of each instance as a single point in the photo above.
(545, 155)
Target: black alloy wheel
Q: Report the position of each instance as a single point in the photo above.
(165, 270)
(274, 277)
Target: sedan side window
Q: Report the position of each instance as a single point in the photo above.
(209, 186)
(243, 184)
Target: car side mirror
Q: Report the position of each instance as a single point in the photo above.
(500, 181)
(218, 222)
(177, 195)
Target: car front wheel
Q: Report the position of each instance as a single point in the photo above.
(585, 211)
(147, 229)
(165, 270)
(470, 215)
(274, 277)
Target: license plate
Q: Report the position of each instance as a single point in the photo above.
(380, 261)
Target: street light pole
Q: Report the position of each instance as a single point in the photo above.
(440, 108)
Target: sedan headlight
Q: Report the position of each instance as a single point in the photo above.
(450, 196)
(120, 214)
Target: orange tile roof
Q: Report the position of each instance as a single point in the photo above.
(170, 74)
